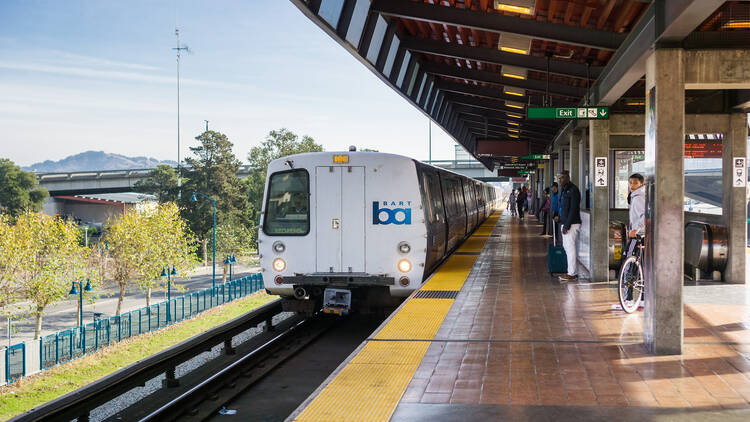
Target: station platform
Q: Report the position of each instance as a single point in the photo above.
(492, 336)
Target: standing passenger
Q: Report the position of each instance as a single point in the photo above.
(544, 212)
(570, 218)
(556, 214)
(512, 203)
(520, 200)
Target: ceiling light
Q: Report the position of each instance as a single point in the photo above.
(636, 103)
(525, 7)
(513, 92)
(514, 43)
(514, 72)
(513, 136)
(515, 116)
(512, 130)
(736, 24)
(514, 104)
(513, 123)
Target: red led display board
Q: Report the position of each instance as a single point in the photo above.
(695, 148)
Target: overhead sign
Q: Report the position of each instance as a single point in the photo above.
(600, 175)
(583, 113)
(703, 149)
(518, 179)
(516, 166)
(740, 172)
(525, 172)
(536, 157)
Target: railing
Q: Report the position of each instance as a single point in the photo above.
(33, 356)
(103, 174)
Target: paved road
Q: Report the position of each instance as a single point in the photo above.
(63, 315)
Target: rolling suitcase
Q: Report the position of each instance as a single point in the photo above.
(557, 261)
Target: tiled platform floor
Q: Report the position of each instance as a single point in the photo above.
(517, 342)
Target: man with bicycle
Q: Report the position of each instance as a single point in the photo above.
(637, 210)
(631, 285)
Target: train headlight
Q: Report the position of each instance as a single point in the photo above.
(279, 247)
(404, 266)
(279, 265)
(404, 247)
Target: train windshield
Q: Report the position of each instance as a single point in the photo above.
(288, 204)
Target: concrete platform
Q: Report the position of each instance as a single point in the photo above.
(515, 344)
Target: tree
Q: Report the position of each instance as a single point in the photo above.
(233, 239)
(18, 190)
(9, 263)
(213, 172)
(52, 259)
(278, 143)
(141, 243)
(161, 182)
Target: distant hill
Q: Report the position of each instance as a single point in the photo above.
(96, 160)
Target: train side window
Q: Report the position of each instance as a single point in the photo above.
(437, 202)
(288, 204)
(428, 194)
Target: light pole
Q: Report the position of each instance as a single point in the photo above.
(74, 291)
(166, 272)
(180, 48)
(230, 259)
(213, 263)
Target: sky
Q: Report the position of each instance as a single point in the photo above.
(101, 75)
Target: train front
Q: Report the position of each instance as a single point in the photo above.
(342, 231)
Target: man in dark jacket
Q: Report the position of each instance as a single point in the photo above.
(570, 220)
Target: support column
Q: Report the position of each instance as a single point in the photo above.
(665, 178)
(599, 146)
(575, 157)
(583, 158)
(734, 199)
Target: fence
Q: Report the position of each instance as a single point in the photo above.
(33, 356)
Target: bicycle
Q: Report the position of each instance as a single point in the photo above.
(630, 284)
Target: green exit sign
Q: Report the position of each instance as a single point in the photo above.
(536, 157)
(525, 172)
(583, 113)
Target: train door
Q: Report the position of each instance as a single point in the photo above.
(340, 219)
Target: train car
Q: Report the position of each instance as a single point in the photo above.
(344, 229)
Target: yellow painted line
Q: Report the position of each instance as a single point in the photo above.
(370, 386)
(452, 273)
(428, 312)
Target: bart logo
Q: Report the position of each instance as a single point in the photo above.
(385, 216)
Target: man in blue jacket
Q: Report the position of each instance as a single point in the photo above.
(570, 220)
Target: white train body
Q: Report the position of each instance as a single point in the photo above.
(360, 221)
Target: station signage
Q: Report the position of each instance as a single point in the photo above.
(516, 166)
(536, 157)
(583, 113)
(525, 172)
(703, 149)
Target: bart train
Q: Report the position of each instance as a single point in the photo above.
(362, 228)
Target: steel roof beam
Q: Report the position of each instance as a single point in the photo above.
(487, 92)
(500, 115)
(490, 55)
(498, 79)
(470, 119)
(663, 24)
(495, 22)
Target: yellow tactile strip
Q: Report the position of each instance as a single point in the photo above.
(368, 391)
(370, 386)
(473, 244)
(430, 314)
(452, 274)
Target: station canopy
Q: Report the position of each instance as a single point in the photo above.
(475, 66)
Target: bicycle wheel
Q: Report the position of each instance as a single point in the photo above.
(630, 285)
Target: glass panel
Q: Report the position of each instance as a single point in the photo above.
(421, 86)
(402, 71)
(357, 24)
(703, 187)
(412, 79)
(288, 204)
(391, 57)
(330, 11)
(377, 40)
(626, 163)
